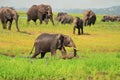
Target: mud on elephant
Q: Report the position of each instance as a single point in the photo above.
(50, 43)
(42, 12)
(8, 14)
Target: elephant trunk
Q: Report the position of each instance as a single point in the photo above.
(74, 49)
(51, 18)
(16, 21)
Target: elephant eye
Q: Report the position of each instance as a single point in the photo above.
(68, 42)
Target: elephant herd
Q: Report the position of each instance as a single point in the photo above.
(108, 18)
(49, 42)
(88, 20)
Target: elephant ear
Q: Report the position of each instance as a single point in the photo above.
(7, 14)
(60, 40)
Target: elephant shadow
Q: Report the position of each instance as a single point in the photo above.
(24, 32)
(86, 34)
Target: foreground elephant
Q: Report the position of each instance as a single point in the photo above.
(8, 14)
(78, 23)
(41, 12)
(89, 17)
(51, 42)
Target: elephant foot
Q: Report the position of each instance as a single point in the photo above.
(9, 29)
(4, 28)
(70, 56)
(18, 30)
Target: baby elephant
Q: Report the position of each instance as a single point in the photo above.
(50, 43)
(78, 23)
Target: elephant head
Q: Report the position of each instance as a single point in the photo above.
(68, 42)
(49, 13)
(45, 13)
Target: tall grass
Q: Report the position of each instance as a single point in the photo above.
(98, 51)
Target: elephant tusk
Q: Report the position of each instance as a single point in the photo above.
(76, 49)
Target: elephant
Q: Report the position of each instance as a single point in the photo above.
(105, 18)
(42, 12)
(59, 16)
(50, 43)
(78, 23)
(118, 18)
(67, 19)
(89, 17)
(8, 14)
(64, 18)
(111, 18)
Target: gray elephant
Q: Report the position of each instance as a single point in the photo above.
(41, 12)
(78, 23)
(51, 42)
(67, 19)
(8, 14)
(64, 18)
(59, 16)
(89, 17)
(110, 18)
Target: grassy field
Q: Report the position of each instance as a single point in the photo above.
(98, 51)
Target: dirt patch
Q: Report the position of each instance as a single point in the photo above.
(69, 56)
(24, 32)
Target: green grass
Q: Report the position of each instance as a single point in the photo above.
(98, 51)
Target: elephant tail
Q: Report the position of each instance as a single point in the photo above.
(32, 49)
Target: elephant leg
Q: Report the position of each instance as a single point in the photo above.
(78, 31)
(46, 21)
(89, 24)
(53, 54)
(82, 30)
(40, 21)
(85, 23)
(42, 55)
(10, 25)
(35, 21)
(4, 25)
(52, 21)
(74, 30)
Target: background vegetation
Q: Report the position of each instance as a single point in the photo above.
(98, 51)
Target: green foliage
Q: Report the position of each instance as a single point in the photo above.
(98, 51)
